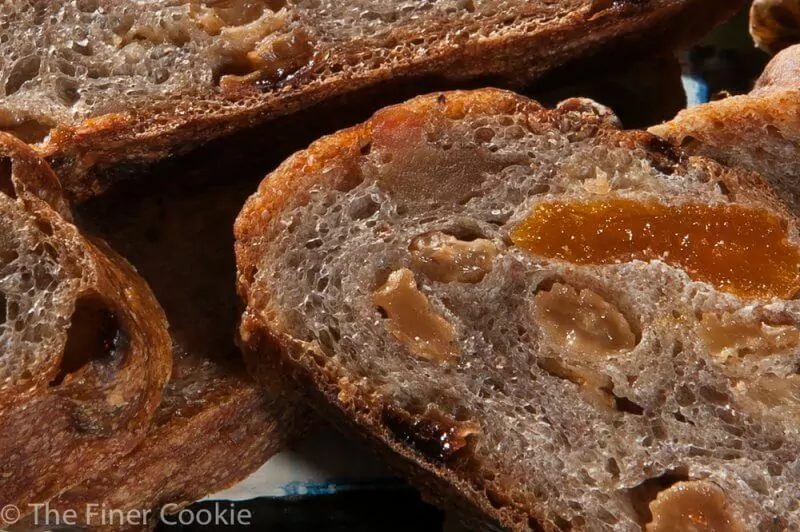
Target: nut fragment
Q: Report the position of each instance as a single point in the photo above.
(582, 322)
(696, 506)
(593, 384)
(447, 259)
(775, 392)
(214, 15)
(726, 336)
(412, 320)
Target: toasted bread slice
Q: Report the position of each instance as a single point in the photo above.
(759, 131)
(214, 425)
(537, 315)
(104, 81)
(85, 348)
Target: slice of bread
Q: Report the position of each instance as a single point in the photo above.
(215, 425)
(85, 348)
(535, 314)
(106, 81)
(759, 131)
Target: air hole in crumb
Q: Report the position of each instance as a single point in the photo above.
(689, 141)
(533, 524)
(366, 148)
(24, 69)
(45, 227)
(6, 184)
(496, 499)
(67, 91)
(723, 188)
(613, 467)
(642, 495)
(562, 523)
(681, 418)
(87, 6)
(714, 396)
(94, 334)
(624, 404)
(363, 208)
(3, 307)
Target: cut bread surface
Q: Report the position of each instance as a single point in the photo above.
(550, 392)
(108, 81)
(85, 349)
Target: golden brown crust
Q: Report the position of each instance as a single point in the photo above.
(190, 457)
(758, 131)
(267, 345)
(71, 422)
(608, 29)
(214, 425)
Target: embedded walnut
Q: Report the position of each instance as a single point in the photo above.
(582, 322)
(447, 259)
(599, 184)
(726, 336)
(412, 320)
(594, 384)
(775, 396)
(214, 15)
(697, 506)
(281, 55)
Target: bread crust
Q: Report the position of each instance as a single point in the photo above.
(57, 430)
(759, 131)
(267, 345)
(214, 425)
(604, 30)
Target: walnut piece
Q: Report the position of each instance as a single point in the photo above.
(582, 322)
(447, 259)
(698, 506)
(726, 336)
(411, 319)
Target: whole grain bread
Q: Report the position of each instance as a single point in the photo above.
(543, 389)
(214, 425)
(85, 348)
(104, 82)
(759, 131)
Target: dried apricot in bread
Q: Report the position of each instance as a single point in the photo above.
(582, 381)
(758, 131)
(130, 82)
(85, 352)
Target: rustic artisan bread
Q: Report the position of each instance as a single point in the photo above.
(533, 313)
(85, 348)
(103, 81)
(214, 425)
(775, 24)
(759, 131)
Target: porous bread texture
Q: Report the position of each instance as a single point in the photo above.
(759, 131)
(503, 422)
(158, 76)
(85, 349)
